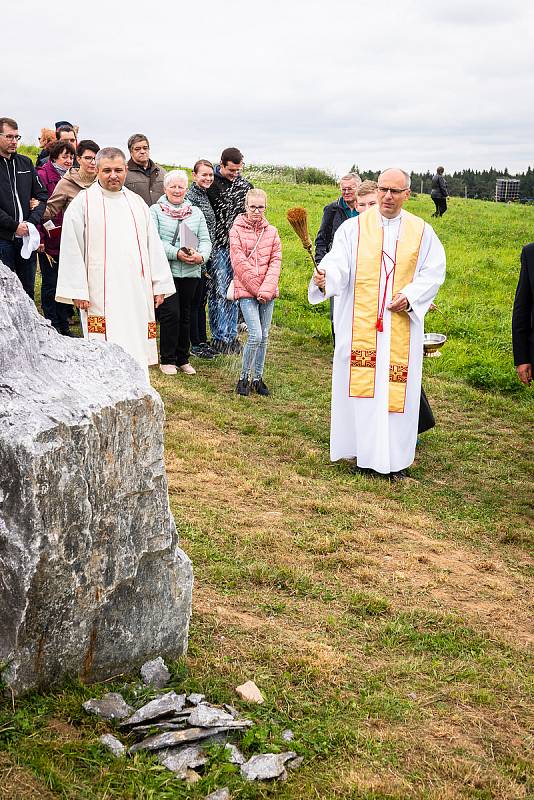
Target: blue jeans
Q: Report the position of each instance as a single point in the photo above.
(222, 312)
(258, 317)
(24, 268)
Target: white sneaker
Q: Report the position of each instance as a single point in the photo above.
(168, 369)
(188, 369)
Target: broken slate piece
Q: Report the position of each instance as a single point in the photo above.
(220, 794)
(235, 754)
(187, 757)
(295, 763)
(110, 706)
(195, 698)
(113, 744)
(162, 727)
(249, 691)
(231, 710)
(175, 738)
(266, 766)
(206, 716)
(288, 735)
(162, 706)
(155, 673)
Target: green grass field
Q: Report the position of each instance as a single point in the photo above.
(389, 626)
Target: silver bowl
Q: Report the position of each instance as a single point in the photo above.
(432, 343)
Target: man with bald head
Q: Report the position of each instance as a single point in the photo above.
(385, 268)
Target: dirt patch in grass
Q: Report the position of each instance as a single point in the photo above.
(18, 783)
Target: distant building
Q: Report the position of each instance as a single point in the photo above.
(506, 190)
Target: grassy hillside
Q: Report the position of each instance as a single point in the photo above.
(389, 626)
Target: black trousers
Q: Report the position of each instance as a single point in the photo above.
(441, 206)
(198, 312)
(57, 313)
(174, 316)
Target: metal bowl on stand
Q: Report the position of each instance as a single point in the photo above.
(432, 343)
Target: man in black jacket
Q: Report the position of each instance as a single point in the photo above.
(19, 182)
(227, 196)
(334, 214)
(439, 192)
(523, 317)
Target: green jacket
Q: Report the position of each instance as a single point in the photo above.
(167, 225)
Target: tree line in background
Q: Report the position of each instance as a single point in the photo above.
(473, 183)
(479, 184)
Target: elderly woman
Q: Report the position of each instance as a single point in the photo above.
(177, 221)
(60, 159)
(197, 195)
(256, 257)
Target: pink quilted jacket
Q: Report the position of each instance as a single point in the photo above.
(256, 256)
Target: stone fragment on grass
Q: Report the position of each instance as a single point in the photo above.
(161, 706)
(187, 757)
(112, 744)
(250, 693)
(295, 763)
(110, 706)
(266, 766)
(235, 754)
(220, 794)
(206, 716)
(176, 738)
(155, 673)
(195, 698)
(231, 710)
(288, 735)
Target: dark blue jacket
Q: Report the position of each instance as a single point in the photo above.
(334, 215)
(18, 177)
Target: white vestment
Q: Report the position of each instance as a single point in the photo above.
(363, 427)
(112, 256)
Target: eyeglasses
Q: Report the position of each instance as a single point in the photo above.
(88, 158)
(386, 189)
(256, 208)
(11, 137)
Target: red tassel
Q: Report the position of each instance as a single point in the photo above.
(379, 325)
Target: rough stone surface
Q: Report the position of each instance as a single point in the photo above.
(188, 757)
(155, 673)
(162, 706)
(236, 756)
(110, 706)
(93, 581)
(113, 744)
(206, 716)
(195, 698)
(266, 766)
(220, 794)
(249, 691)
(175, 738)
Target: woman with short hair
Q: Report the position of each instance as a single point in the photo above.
(177, 220)
(256, 257)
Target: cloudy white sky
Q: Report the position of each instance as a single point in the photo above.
(326, 83)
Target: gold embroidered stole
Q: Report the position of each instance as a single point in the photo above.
(367, 305)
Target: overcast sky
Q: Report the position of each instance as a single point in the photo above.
(413, 83)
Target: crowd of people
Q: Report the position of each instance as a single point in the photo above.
(129, 245)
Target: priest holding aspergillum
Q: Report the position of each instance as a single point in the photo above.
(386, 267)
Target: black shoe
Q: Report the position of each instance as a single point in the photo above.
(243, 387)
(207, 347)
(259, 387)
(396, 477)
(201, 352)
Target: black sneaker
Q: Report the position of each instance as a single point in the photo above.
(259, 387)
(243, 387)
(201, 352)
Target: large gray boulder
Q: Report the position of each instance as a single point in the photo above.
(92, 580)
